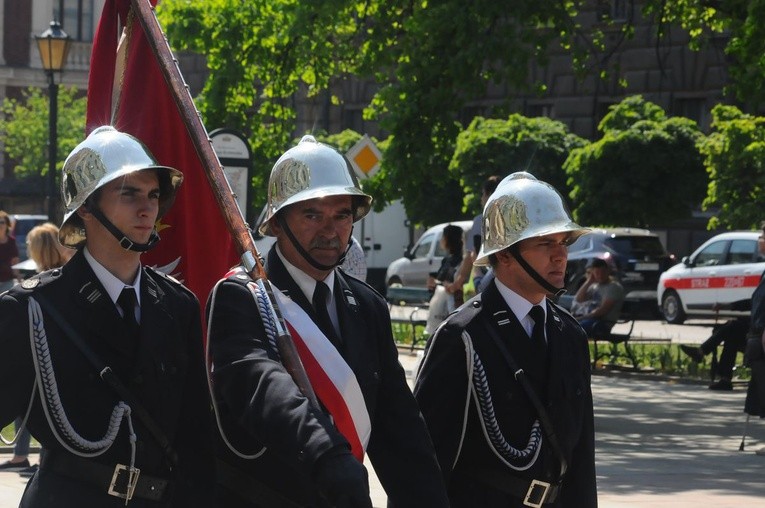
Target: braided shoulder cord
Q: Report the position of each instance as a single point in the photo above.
(260, 295)
(58, 421)
(518, 460)
(208, 370)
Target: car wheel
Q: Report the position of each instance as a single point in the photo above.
(672, 308)
(394, 280)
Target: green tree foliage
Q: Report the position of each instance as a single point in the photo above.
(644, 171)
(500, 147)
(737, 22)
(429, 58)
(24, 129)
(734, 156)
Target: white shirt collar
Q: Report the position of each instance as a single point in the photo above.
(305, 282)
(520, 306)
(112, 284)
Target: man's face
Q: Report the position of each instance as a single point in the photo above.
(131, 203)
(322, 227)
(546, 255)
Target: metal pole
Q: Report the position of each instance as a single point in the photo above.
(52, 145)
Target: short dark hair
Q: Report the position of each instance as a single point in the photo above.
(597, 263)
(453, 235)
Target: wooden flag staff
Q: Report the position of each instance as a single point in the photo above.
(232, 216)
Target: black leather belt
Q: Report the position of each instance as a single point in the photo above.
(534, 493)
(119, 481)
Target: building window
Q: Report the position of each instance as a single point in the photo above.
(540, 109)
(353, 118)
(613, 10)
(690, 107)
(77, 20)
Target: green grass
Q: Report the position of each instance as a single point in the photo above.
(8, 433)
(666, 359)
(661, 358)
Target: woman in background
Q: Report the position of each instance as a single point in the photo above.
(47, 253)
(9, 253)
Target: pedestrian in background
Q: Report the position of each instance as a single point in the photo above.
(355, 262)
(47, 253)
(599, 300)
(473, 243)
(505, 383)
(9, 253)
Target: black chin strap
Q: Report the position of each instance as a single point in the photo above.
(311, 261)
(125, 242)
(515, 251)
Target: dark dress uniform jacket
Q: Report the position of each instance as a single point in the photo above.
(164, 369)
(261, 405)
(471, 468)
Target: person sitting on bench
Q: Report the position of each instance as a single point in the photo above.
(599, 300)
(732, 335)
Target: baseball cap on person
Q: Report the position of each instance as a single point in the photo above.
(597, 263)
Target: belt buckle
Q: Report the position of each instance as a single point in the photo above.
(132, 481)
(533, 499)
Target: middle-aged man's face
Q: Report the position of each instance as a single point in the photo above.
(545, 254)
(322, 227)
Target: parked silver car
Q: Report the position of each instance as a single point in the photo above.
(424, 257)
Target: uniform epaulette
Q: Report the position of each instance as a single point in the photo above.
(165, 276)
(461, 316)
(40, 280)
(237, 273)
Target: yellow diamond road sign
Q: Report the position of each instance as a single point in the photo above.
(365, 157)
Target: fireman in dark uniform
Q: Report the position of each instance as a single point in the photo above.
(280, 449)
(85, 362)
(505, 382)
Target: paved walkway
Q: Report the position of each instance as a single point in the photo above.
(659, 445)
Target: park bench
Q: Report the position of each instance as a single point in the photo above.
(409, 306)
(631, 310)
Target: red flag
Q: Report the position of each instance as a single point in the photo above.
(196, 247)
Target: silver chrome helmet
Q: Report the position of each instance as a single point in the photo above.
(312, 170)
(105, 155)
(523, 207)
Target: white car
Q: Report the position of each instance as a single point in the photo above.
(718, 279)
(423, 258)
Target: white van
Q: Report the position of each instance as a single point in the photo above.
(424, 257)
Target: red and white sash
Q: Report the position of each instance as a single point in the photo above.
(332, 379)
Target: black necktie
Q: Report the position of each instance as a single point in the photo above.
(320, 299)
(127, 302)
(538, 363)
(538, 341)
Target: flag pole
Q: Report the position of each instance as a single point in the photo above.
(225, 198)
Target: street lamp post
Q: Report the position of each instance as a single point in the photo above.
(53, 45)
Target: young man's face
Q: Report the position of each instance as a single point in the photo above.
(547, 255)
(321, 226)
(131, 204)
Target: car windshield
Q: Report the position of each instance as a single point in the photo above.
(635, 246)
